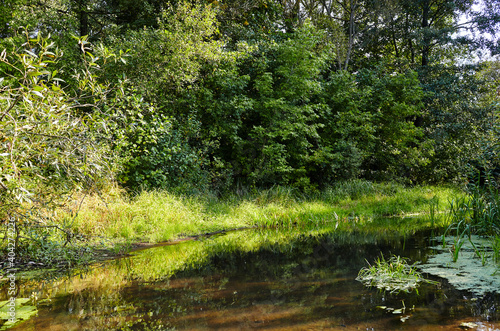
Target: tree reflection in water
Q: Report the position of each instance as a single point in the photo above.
(259, 278)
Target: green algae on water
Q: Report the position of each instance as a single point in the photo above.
(469, 272)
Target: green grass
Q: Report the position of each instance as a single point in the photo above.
(160, 216)
(394, 275)
(115, 221)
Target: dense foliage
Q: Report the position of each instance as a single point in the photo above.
(49, 139)
(222, 94)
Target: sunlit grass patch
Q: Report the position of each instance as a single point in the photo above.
(159, 216)
(113, 218)
(151, 216)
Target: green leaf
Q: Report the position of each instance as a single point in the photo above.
(37, 93)
(31, 53)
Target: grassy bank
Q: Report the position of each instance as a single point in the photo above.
(161, 216)
(114, 221)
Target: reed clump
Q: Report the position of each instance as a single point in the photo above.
(394, 275)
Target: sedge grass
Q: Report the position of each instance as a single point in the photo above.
(496, 249)
(394, 275)
(115, 220)
(157, 216)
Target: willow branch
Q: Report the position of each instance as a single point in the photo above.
(11, 106)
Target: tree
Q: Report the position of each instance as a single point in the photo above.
(347, 132)
(343, 20)
(48, 148)
(160, 123)
(8, 11)
(281, 124)
(458, 117)
(400, 147)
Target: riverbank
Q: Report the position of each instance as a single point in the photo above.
(111, 224)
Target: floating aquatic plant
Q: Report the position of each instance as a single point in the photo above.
(400, 311)
(394, 275)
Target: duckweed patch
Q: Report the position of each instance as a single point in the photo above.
(465, 269)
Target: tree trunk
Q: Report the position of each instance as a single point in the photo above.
(83, 18)
(394, 40)
(352, 31)
(426, 38)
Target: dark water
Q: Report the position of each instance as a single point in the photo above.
(255, 279)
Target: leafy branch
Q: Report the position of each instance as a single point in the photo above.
(49, 148)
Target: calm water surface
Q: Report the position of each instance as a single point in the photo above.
(254, 279)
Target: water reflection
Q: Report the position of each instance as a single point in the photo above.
(266, 279)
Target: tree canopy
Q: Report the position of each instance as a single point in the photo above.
(213, 94)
